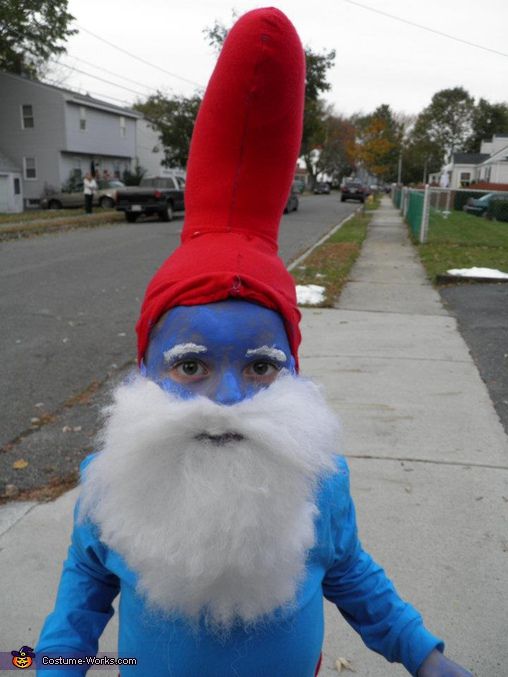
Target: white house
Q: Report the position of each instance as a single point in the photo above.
(494, 169)
(53, 134)
(11, 195)
(489, 165)
(149, 148)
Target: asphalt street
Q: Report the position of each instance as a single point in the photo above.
(69, 305)
(481, 311)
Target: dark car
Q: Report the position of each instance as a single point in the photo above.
(299, 184)
(161, 195)
(353, 190)
(322, 188)
(293, 202)
(479, 206)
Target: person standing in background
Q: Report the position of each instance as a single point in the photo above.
(89, 188)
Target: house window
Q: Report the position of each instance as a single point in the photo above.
(465, 179)
(76, 169)
(27, 116)
(17, 186)
(116, 169)
(82, 118)
(30, 168)
(123, 130)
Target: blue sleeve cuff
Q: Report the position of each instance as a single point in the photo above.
(416, 643)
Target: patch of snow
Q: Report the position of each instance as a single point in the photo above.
(309, 294)
(478, 272)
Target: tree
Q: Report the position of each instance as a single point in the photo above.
(379, 138)
(31, 31)
(337, 154)
(488, 119)
(446, 123)
(314, 134)
(173, 117)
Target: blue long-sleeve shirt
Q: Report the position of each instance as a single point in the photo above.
(288, 645)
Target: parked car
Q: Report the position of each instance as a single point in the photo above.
(479, 206)
(322, 188)
(293, 201)
(161, 195)
(104, 197)
(299, 185)
(353, 190)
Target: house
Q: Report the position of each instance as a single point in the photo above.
(490, 165)
(54, 135)
(11, 196)
(494, 169)
(149, 148)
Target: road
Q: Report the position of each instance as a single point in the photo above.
(482, 314)
(70, 301)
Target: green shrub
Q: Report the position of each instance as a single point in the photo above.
(498, 209)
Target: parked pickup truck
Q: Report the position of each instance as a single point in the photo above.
(161, 195)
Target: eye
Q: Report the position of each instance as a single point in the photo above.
(188, 371)
(262, 370)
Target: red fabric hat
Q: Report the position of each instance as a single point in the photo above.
(241, 166)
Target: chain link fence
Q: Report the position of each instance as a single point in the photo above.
(423, 208)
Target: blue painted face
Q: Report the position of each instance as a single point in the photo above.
(226, 351)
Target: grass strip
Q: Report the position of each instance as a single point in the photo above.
(30, 229)
(37, 215)
(463, 241)
(329, 264)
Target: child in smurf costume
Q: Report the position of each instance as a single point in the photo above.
(218, 506)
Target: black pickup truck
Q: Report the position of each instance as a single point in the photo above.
(161, 195)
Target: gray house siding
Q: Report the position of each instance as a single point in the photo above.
(38, 142)
(102, 133)
(55, 140)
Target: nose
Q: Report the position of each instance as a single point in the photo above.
(229, 389)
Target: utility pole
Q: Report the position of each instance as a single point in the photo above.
(399, 170)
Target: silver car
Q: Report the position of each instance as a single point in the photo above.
(103, 197)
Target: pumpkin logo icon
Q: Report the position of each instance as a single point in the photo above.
(23, 658)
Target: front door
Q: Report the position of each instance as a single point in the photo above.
(4, 193)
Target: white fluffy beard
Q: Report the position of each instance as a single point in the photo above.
(218, 531)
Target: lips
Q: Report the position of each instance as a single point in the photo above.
(220, 440)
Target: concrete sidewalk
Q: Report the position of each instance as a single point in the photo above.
(428, 456)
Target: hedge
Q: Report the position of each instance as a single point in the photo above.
(498, 209)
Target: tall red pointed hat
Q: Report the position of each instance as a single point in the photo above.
(241, 166)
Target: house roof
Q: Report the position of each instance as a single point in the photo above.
(80, 99)
(469, 158)
(499, 156)
(6, 164)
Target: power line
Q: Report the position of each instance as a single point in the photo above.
(426, 28)
(105, 70)
(96, 77)
(88, 92)
(138, 58)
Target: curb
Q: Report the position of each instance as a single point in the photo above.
(464, 279)
(317, 244)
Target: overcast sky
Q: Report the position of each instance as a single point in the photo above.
(379, 59)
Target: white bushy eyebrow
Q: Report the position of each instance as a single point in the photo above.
(182, 349)
(266, 351)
